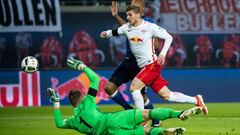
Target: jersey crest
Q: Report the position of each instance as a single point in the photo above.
(136, 40)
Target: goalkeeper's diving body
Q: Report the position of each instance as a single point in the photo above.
(88, 119)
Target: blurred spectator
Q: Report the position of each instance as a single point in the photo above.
(235, 38)
(117, 46)
(50, 55)
(203, 50)
(228, 54)
(149, 11)
(176, 54)
(24, 45)
(3, 43)
(83, 47)
(237, 42)
(153, 9)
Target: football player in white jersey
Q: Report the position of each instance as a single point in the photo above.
(128, 68)
(140, 34)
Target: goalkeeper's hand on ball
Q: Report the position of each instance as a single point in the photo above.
(54, 97)
(75, 64)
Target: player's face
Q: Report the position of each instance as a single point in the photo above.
(132, 17)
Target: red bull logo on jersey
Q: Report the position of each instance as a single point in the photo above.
(24, 93)
(136, 40)
(81, 83)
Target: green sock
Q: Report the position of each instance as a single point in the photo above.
(163, 113)
(156, 131)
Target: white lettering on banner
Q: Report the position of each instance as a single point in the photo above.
(197, 6)
(207, 23)
(26, 93)
(30, 15)
(201, 16)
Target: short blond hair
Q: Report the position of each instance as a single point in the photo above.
(140, 4)
(134, 8)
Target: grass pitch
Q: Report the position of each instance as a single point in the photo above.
(223, 119)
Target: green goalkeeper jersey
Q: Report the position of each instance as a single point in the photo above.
(86, 118)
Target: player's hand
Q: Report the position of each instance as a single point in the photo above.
(161, 59)
(75, 64)
(103, 34)
(53, 95)
(114, 8)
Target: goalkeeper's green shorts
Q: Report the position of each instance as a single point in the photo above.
(125, 123)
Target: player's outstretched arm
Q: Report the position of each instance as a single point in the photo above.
(55, 99)
(162, 34)
(114, 11)
(114, 32)
(79, 65)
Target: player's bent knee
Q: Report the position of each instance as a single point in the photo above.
(165, 97)
(110, 88)
(164, 93)
(133, 87)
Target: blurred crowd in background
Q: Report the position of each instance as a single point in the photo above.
(52, 50)
(83, 46)
(94, 2)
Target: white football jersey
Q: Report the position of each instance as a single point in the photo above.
(141, 41)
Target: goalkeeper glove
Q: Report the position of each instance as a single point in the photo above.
(54, 97)
(75, 64)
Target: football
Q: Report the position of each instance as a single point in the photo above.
(29, 64)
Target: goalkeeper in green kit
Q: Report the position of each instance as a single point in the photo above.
(88, 119)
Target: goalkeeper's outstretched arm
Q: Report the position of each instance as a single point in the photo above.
(92, 76)
(59, 122)
(55, 99)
